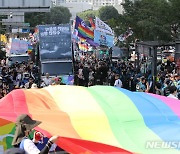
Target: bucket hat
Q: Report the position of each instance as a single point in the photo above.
(23, 123)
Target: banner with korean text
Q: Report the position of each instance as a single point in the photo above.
(55, 42)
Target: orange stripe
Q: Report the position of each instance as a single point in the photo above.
(4, 122)
(42, 107)
(87, 30)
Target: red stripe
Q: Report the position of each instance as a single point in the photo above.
(86, 30)
(92, 23)
(13, 105)
(4, 122)
(76, 146)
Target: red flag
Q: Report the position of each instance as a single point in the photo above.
(92, 23)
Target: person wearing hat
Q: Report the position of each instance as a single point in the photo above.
(24, 125)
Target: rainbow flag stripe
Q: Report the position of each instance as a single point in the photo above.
(99, 119)
(86, 32)
(83, 30)
(7, 129)
(83, 47)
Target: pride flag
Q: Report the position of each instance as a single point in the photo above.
(30, 48)
(99, 119)
(7, 129)
(83, 46)
(92, 24)
(83, 30)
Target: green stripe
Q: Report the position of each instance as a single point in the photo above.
(125, 120)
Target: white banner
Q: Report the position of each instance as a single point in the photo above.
(103, 27)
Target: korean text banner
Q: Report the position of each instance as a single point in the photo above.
(103, 38)
(98, 119)
(103, 27)
(55, 42)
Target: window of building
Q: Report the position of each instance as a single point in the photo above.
(44, 2)
(2, 2)
(23, 2)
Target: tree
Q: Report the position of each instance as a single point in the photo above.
(106, 13)
(60, 15)
(149, 19)
(57, 15)
(85, 15)
(175, 17)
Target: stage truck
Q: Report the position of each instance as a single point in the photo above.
(55, 51)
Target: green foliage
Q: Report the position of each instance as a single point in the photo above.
(174, 13)
(85, 15)
(106, 13)
(35, 18)
(149, 19)
(57, 15)
(174, 10)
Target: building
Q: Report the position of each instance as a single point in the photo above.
(15, 11)
(76, 6)
(100, 3)
(95, 3)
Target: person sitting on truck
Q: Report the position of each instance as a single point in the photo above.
(47, 80)
(56, 81)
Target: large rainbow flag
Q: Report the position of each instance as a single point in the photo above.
(98, 119)
(7, 129)
(83, 30)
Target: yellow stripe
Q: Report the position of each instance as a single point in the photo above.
(95, 123)
(5, 132)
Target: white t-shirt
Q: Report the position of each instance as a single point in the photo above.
(118, 83)
(172, 96)
(30, 147)
(47, 81)
(80, 74)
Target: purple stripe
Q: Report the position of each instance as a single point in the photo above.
(174, 104)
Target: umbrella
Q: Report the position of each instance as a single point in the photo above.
(99, 119)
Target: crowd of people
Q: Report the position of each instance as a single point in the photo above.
(89, 71)
(23, 75)
(92, 71)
